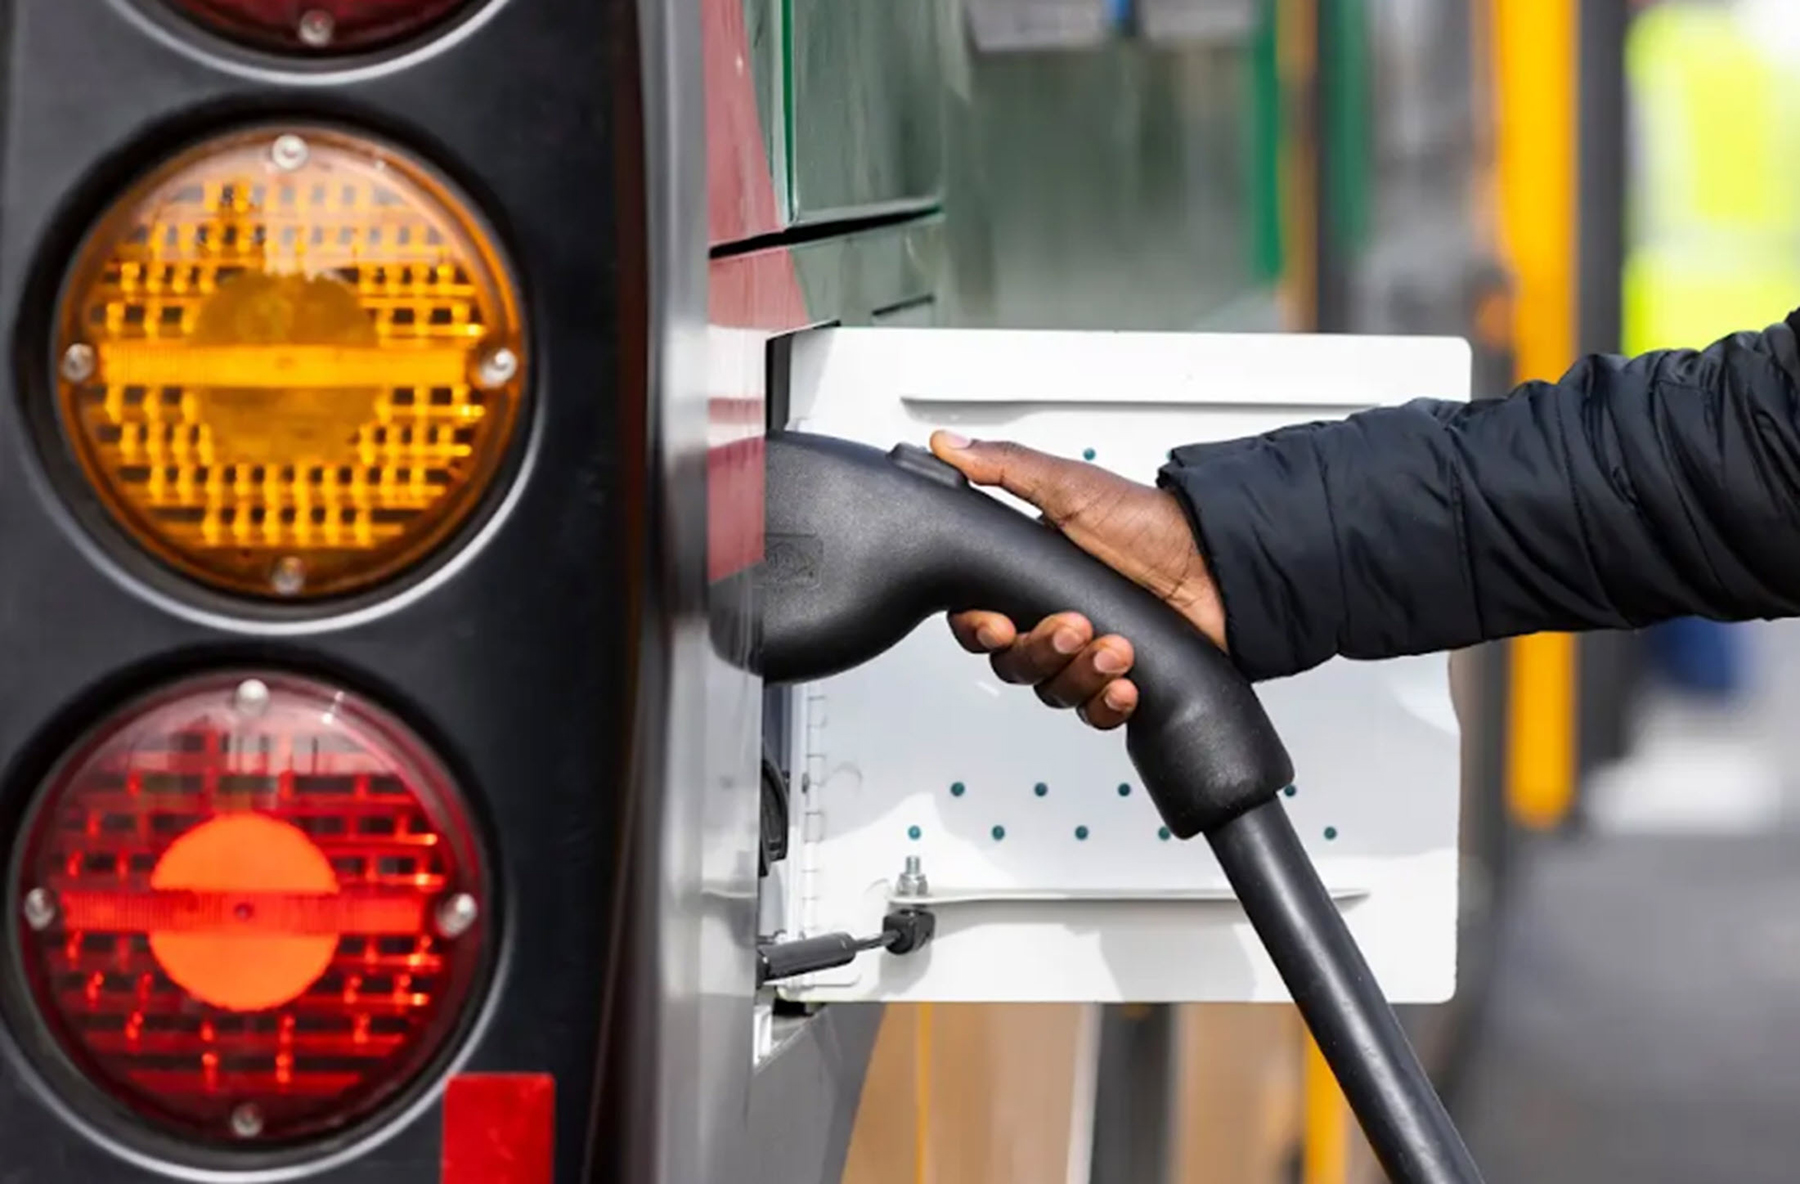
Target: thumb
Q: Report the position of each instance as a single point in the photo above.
(1060, 488)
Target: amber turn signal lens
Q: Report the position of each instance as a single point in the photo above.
(290, 362)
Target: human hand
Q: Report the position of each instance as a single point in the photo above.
(1140, 531)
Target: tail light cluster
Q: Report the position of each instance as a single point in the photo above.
(251, 908)
(288, 364)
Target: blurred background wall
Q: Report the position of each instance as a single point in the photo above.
(1543, 178)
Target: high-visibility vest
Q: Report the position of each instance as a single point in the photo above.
(1714, 241)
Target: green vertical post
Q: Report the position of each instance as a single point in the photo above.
(1264, 144)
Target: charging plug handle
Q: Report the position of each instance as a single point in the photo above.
(862, 546)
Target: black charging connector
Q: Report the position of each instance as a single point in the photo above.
(773, 847)
(903, 931)
(862, 546)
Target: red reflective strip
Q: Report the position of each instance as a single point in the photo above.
(741, 201)
(734, 507)
(760, 290)
(178, 911)
(500, 1128)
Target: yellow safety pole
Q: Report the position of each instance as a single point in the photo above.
(1296, 55)
(1325, 1152)
(1536, 51)
(922, 1050)
(1325, 1116)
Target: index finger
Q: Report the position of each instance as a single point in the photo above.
(1020, 471)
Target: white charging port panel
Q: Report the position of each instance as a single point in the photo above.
(1045, 862)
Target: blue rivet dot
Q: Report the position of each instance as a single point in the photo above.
(957, 789)
(913, 832)
(1040, 789)
(1081, 832)
(1330, 832)
(1087, 454)
(1291, 790)
(1162, 832)
(999, 832)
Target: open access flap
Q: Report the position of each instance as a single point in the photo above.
(1043, 858)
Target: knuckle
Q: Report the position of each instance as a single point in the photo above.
(1008, 672)
(1020, 469)
(1073, 687)
(1020, 664)
(1040, 647)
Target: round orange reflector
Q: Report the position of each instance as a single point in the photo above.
(248, 960)
(290, 362)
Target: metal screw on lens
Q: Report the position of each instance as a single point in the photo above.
(39, 909)
(457, 915)
(316, 29)
(289, 576)
(78, 362)
(912, 880)
(288, 152)
(251, 696)
(247, 1121)
(498, 368)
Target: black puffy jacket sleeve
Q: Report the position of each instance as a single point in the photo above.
(1631, 491)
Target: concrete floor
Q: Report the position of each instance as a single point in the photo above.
(1645, 1024)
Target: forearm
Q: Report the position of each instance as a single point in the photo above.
(1630, 491)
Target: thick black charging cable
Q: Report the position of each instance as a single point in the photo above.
(1356, 1030)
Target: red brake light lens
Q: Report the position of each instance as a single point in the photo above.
(251, 908)
(318, 26)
